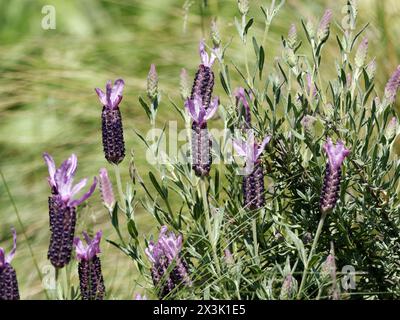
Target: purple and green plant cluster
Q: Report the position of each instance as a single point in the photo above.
(299, 184)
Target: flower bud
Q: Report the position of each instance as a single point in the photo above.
(152, 83)
(243, 6)
(361, 54)
(324, 26)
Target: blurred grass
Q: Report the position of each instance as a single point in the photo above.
(47, 101)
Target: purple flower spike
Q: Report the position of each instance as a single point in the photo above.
(162, 254)
(392, 86)
(204, 80)
(112, 129)
(8, 277)
(89, 268)
(201, 142)
(62, 208)
(253, 182)
(330, 190)
(241, 101)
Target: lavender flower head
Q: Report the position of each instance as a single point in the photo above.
(253, 180)
(243, 104)
(152, 83)
(391, 129)
(112, 129)
(330, 190)
(204, 79)
(8, 277)
(324, 25)
(201, 142)
(311, 89)
(162, 254)
(107, 193)
(292, 36)
(184, 84)
(289, 288)
(89, 268)
(140, 297)
(392, 86)
(361, 54)
(62, 207)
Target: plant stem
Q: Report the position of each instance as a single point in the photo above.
(208, 224)
(23, 230)
(314, 245)
(255, 242)
(119, 186)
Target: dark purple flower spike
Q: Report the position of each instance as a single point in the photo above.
(90, 276)
(201, 142)
(112, 129)
(243, 106)
(330, 190)
(8, 277)
(204, 80)
(162, 254)
(62, 208)
(253, 180)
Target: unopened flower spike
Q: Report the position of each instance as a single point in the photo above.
(324, 25)
(201, 142)
(106, 189)
(8, 277)
(361, 54)
(90, 276)
(112, 129)
(152, 83)
(184, 85)
(253, 182)
(392, 86)
(162, 254)
(292, 36)
(331, 187)
(289, 288)
(62, 207)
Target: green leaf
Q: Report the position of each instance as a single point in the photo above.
(114, 217)
(248, 25)
(156, 185)
(145, 107)
(261, 61)
(132, 229)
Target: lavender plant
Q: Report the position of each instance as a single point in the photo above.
(91, 280)
(8, 277)
(112, 129)
(62, 207)
(293, 203)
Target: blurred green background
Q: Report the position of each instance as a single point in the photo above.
(47, 101)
